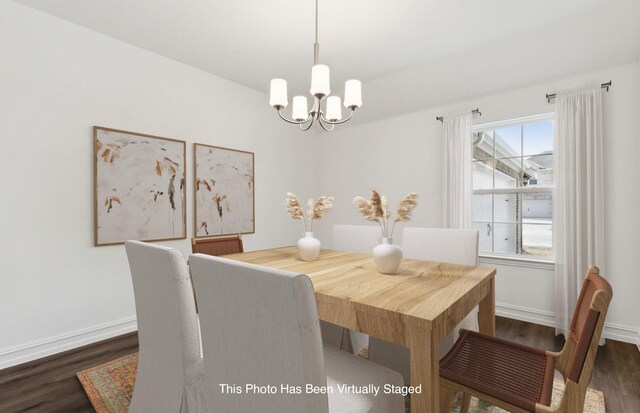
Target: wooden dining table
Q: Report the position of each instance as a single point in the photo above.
(416, 308)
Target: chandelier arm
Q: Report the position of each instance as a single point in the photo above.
(324, 127)
(302, 128)
(337, 122)
(295, 122)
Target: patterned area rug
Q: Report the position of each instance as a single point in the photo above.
(593, 403)
(110, 387)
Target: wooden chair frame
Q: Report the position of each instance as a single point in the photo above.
(214, 240)
(574, 394)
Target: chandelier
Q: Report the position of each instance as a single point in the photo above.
(331, 115)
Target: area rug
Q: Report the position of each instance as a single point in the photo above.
(593, 403)
(109, 387)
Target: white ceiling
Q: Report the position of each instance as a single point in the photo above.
(417, 45)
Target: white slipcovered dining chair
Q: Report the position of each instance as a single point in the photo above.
(169, 377)
(455, 246)
(353, 238)
(260, 326)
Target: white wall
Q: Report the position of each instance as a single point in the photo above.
(404, 154)
(58, 80)
(58, 291)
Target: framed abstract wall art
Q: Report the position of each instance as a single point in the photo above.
(139, 187)
(224, 191)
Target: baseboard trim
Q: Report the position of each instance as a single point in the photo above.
(23, 353)
(12, 356)
(613, 331)
(531, 315)
(621, 332)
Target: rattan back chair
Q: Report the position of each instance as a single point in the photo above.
(518, 378)
(217, 246)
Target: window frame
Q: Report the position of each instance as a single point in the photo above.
(525, 260)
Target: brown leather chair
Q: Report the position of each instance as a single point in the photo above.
(518, 378)
(217, 246)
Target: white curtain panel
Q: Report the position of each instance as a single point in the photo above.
(458, 192)
(579, 198)
(457, 171)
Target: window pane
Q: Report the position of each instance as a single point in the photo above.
(537, 213)
(537, 207)
(508, 173)
(505, 207)
(504, 238)
(538, 138)
(482, 207)
(483, 145)
(485, 234)
(538, 170)
(483, 174)
(537, 238)
(508, 141)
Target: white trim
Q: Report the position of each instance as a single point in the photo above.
(531, 315)
(525, 119)
(612, 331)
(513, 261)
(517, 190)
(23, 353)
(621, 332)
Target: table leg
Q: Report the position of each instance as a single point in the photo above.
(425, 370)
(487, 311)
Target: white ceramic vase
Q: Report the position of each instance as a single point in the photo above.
(387, 256)
(308, 247)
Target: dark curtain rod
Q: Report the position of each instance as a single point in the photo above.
(475, 112)
(603, 86)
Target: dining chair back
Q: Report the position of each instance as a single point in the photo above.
(455, 246)
(260, 331)
(169, 371)
(217, 246)
(259, 326)
(518, 378)
(355, 238)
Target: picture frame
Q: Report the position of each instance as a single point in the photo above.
(224, 191)
(139, 187)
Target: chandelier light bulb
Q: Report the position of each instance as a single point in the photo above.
(278, 93)
(300, 112)
(334, 111)
(320, 81)
(352, 94)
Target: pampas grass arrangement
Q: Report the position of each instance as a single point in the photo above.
(376, 208)
(316, 209)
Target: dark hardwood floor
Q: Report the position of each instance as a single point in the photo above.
(50, 384)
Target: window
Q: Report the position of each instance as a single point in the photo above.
(513, 187)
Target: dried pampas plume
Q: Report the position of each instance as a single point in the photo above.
(365, 208)
(406, 206)
(321, 206)
(376, 208)
(316, 209)
(384, 206)
(376, 203)
(292, 203)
